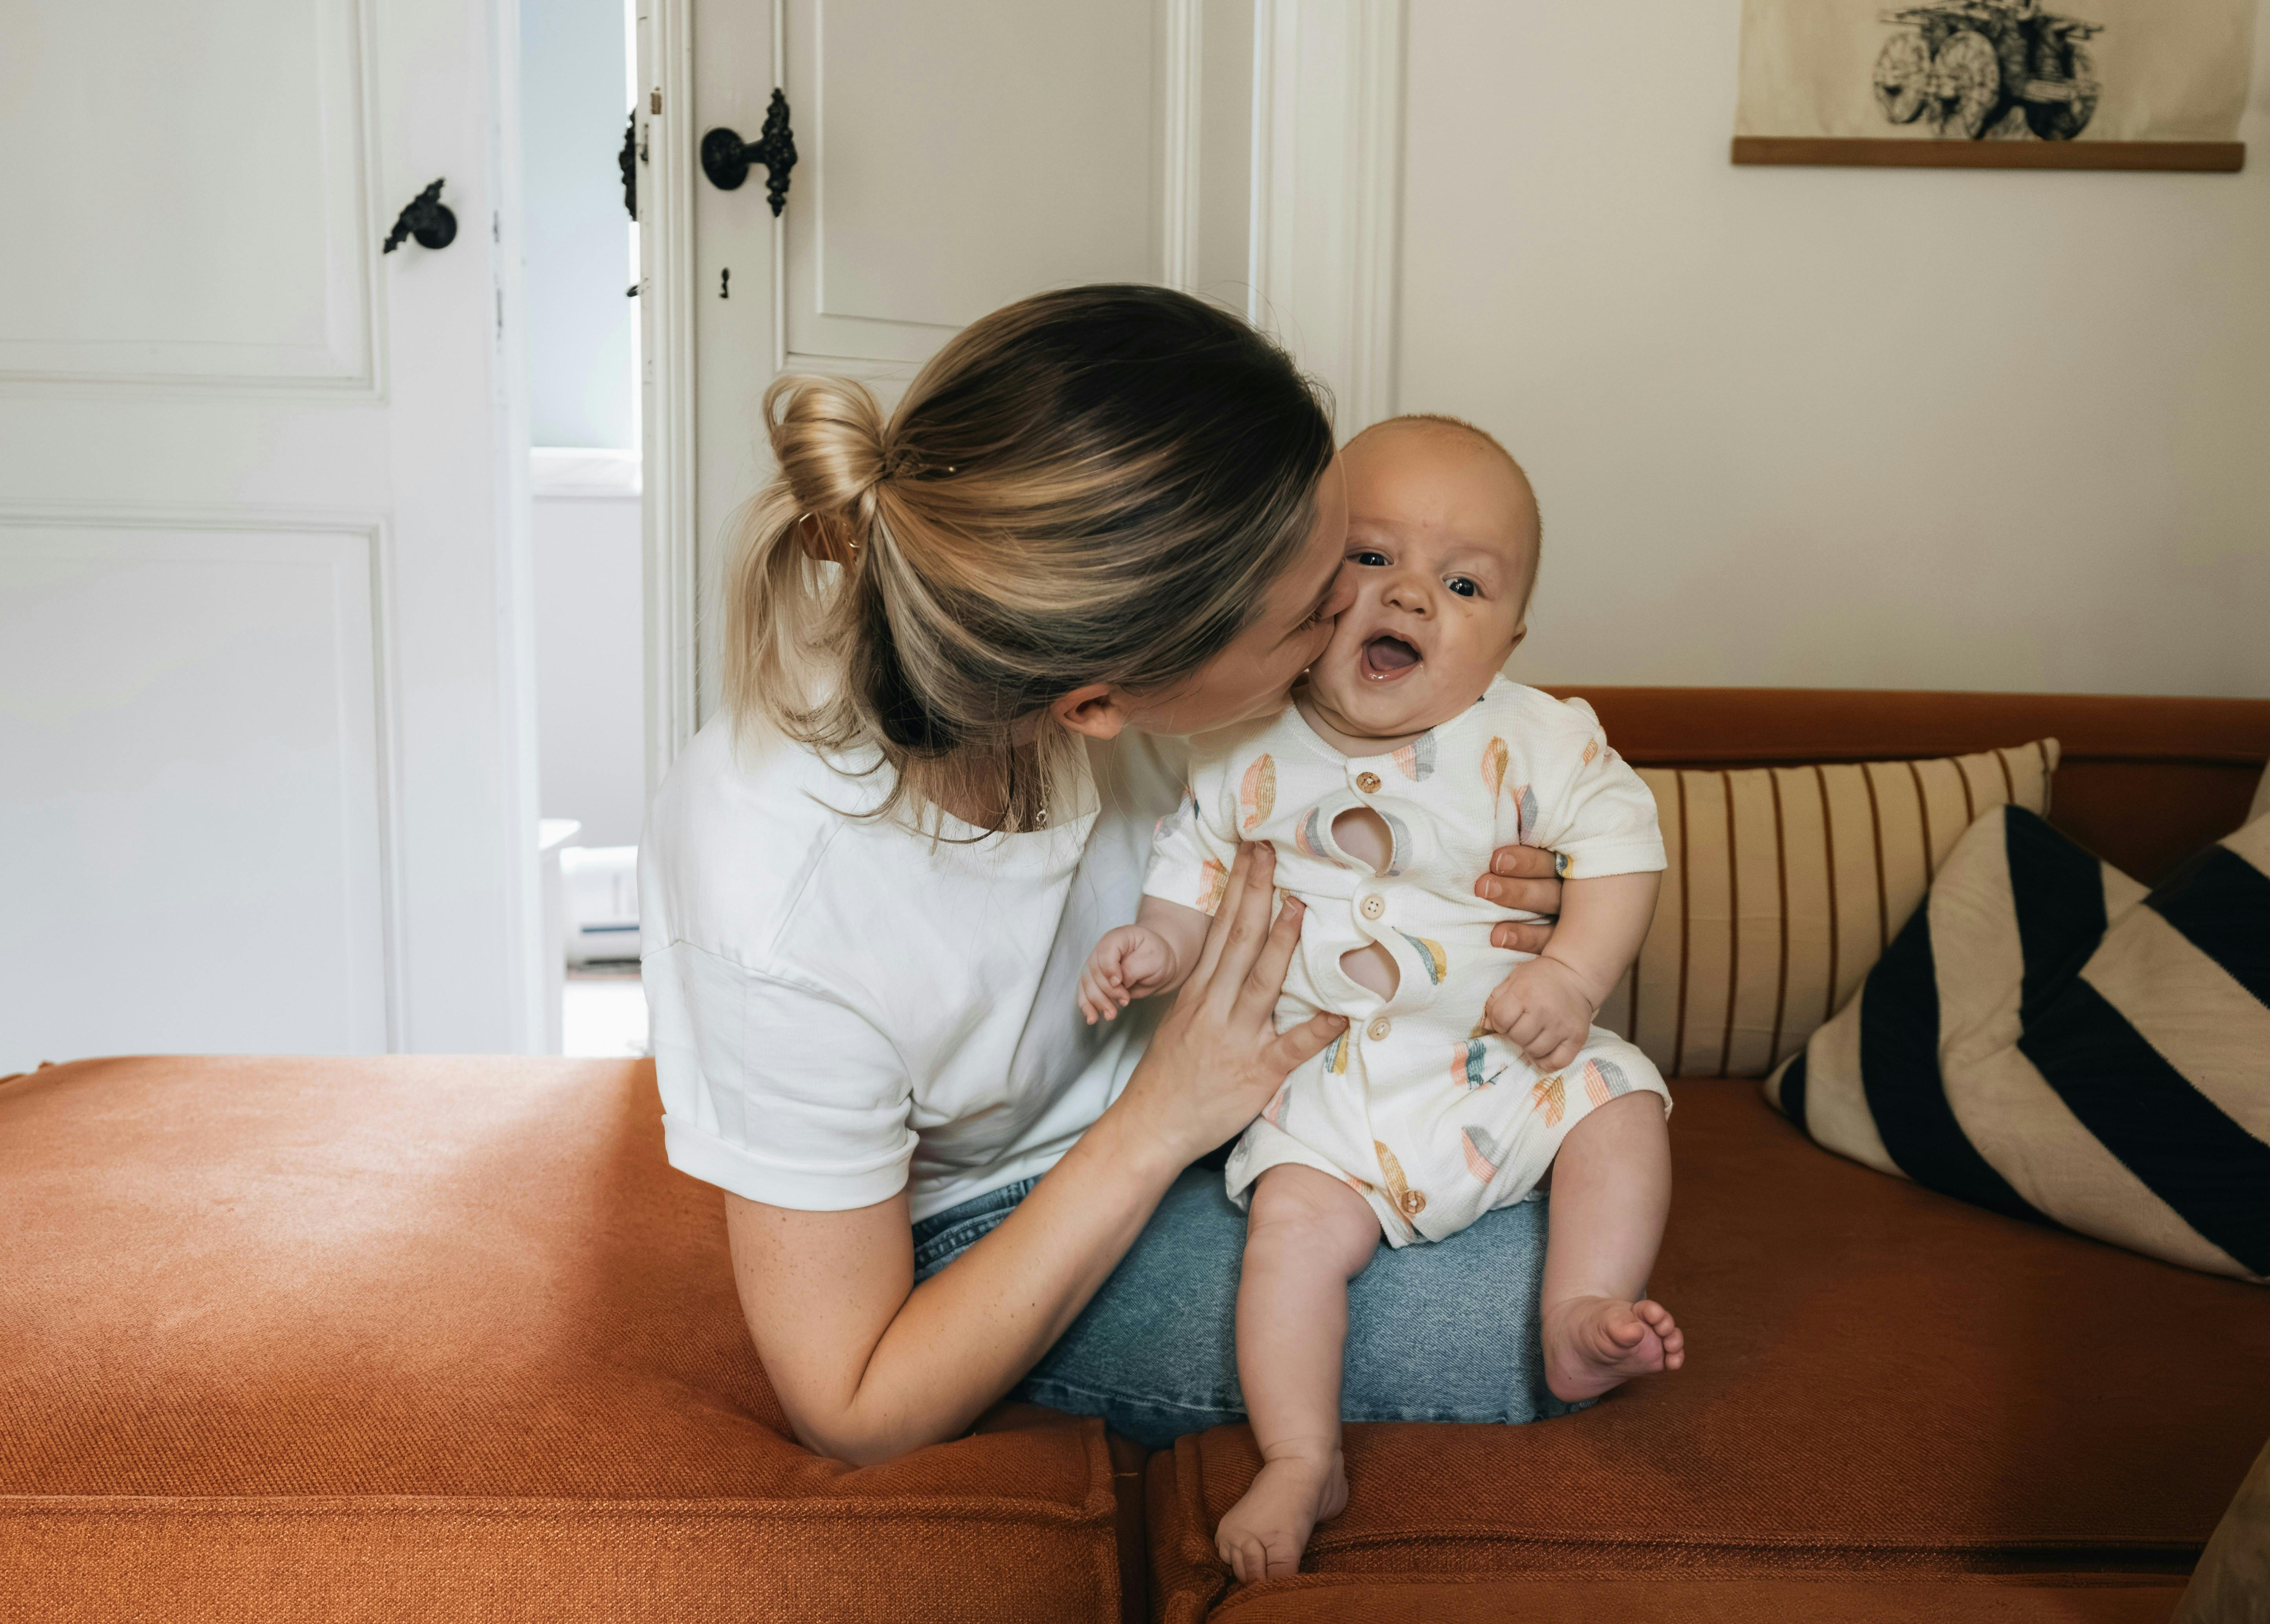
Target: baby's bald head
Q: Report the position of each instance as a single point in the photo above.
(1384, 458)
(1442, 426)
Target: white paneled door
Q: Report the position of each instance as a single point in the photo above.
(950, 158)
(266, 751)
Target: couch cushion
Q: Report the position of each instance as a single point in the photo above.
(2142, 781)
(2046, 1039)
(302, 1339)
(1419, 1598)
(1784, 885)
(1878, 1379)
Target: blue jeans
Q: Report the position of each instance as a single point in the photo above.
(1446, 1332)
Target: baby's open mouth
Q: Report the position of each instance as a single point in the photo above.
(1386, 657)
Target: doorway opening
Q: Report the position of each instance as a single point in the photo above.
(578, 82)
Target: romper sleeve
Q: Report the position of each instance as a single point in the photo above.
(1591, 808)
(1194, 846)
(775, 1088)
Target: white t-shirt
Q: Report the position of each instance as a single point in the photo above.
(842, 1008)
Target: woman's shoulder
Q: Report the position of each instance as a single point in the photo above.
(741, 823)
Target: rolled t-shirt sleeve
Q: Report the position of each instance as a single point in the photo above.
(1191, 854)
(775, 1088)
(1595, 811)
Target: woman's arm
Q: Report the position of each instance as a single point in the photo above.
(870, 1365)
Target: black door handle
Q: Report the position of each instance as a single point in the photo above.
(627, 160)
(726, 158)
(426, 218)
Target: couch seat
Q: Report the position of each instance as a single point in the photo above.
(1882, 1383)
(437, 1337)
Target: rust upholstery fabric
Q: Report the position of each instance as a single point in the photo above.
(445, 1338)
(1881, 1384)
(1325, 1599)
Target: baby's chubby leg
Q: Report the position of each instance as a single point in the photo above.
(1610, 1193)
(1306, 1236)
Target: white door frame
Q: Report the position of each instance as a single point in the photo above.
(1324, 236)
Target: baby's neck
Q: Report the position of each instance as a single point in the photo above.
(1321, 723)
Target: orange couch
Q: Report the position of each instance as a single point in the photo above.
(407, 1338)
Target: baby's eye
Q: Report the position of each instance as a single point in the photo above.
(1368, 559)
(1463, 587)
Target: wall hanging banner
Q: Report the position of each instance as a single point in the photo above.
(1995, 83)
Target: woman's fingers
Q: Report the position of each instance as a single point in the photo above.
(1524, 863)
(1529, 895)
(1266, 980)
(1521, 936)
(1248, 910)
(1302, 1043)
(1225, 915)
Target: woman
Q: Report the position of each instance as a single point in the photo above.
(1099, 515)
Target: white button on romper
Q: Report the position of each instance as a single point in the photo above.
(1433, 1121)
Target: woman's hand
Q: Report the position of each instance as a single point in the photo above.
(1522, 878)
(1218, 1057)
(869, 1365)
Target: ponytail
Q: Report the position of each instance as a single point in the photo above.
(1097, 485)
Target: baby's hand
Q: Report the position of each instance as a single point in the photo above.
(1130, 963)
(1543, 1010)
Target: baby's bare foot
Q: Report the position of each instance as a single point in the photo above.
(1263, 1535)
(1593, 1344)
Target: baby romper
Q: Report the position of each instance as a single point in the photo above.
(1431, 1119)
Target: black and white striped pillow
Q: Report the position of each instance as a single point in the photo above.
(2047, 1039)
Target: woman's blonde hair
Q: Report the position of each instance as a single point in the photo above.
(1098, 485)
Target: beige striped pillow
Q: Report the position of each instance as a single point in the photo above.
(1784, 885)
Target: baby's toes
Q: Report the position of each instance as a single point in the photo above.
(1667, 1330)
(1626, 1329)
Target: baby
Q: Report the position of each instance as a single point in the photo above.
(1468, 1071)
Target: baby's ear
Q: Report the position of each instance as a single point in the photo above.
(1519, 632)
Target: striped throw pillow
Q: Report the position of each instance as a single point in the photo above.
(2047, 1039)
(1784, 885)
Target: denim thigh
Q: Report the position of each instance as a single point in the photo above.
(1444, 1331)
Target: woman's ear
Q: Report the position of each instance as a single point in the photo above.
(1098, 710)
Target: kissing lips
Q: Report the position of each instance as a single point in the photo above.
(1384, 659)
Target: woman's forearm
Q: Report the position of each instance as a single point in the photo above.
(938, 1354)
(869, 1365)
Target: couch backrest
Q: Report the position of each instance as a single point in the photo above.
(2144, 781)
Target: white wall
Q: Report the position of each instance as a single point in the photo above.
(589, 676)
(1827, 427)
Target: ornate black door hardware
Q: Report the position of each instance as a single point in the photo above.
(726, 158)
(426, 218)
(627, 160)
